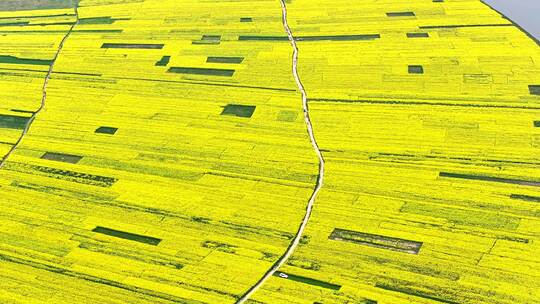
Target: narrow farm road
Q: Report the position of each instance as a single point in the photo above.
(44, 88)
(290, 250)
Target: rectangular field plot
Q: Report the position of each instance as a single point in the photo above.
(238, 110)
(306, 280)
(66, 158)
(374, 240)
(202, 71)
(13, 122)
(132, 46)
(417, 35)
(16, 60)
(534, 89)
(163, 61)
(400, 14)
(106, 130)
(236, 60)
(128, 236)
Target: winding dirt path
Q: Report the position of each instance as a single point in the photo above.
(290, 250)
(44, 88)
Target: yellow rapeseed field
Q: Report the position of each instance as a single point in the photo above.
(170, 163)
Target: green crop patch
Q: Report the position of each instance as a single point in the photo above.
(377, 241)
(528, 198)
(106, 130)
(148, 46)
(246, 19)
(235, 60)
(416, 69)
(536, 123)
(13, 122)
(128, 236)
(534, 89)
(238, 110)
(417, 35)
(23, 23)
(401, 14)
(61, 157)
(464, 217)
(263, 38)
(307, 280)
(97, 20)
(16, 60)
(288, 116)
(490, 179)
(202, 71)
(164, 61)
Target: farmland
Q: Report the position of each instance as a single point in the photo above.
(155, 151)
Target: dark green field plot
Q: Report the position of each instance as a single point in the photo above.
(238, 110)
(16, 5)
(400, 14)
(202, 71)
(246, 19)
(132, 46)
(235, 60)
(106, 130)
(128, 236)
(15, 60)
(534, 89)
(536, 123)
(61, 157)
(164, 61)
(13, 122)
(416, 69)
(306, 280)
(417, 35)
(375, 240)
(23, 23)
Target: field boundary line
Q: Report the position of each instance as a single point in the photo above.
(320, 178)
(44, 88)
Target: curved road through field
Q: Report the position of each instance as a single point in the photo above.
(290, 250)
(44, 88)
